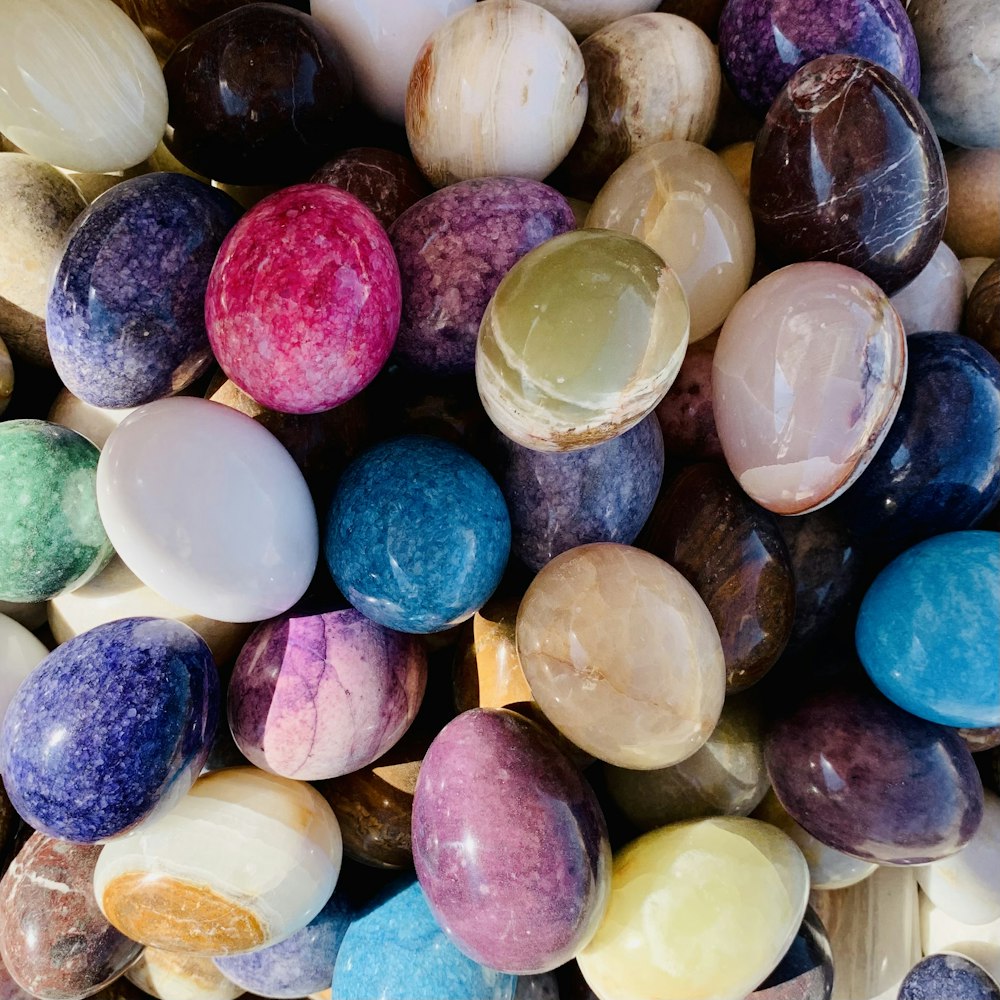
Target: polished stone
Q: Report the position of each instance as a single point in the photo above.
(806, 972)
(20, 653)
(488, 672)
(951, 976)
(685, 412)
(940, 932)
(95, 423)
(584, 17)
(169, 975)
(982, 314)
(6, 377)
(973, 226)
(935, 299)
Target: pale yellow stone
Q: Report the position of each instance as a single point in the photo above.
(168, 975)
(939, 931)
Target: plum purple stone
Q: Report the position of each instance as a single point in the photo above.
(763, 42)
(453, 248)
(316, 696)
(509, 843)
(948, 977)
(873, 781)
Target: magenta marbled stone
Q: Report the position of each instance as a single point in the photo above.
(318, 696)
(509, 843)
(303, 304)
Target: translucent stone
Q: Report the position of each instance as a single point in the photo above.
(169, 975)
(939, 931)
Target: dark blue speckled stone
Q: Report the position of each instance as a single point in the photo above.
(418, 534)
(125, 317)
(948, 977)
(297, 966)
(558, 500)
(112, 727)
(397, 951)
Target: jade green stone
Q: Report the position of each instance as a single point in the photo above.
(51, 536)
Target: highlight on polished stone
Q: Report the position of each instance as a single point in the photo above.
(21, 651)
(170, 975)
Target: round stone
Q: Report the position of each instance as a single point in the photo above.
(806, 971)
(20, 653)
(952, 976)
(935, 299)
(160, 974)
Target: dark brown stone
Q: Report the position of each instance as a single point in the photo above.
(685, 413)
(982, 311)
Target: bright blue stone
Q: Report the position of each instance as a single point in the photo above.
(396, 951)
(110, 728)
(929, 630)
(418, 534)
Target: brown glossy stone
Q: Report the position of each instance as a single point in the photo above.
(685, 413)
(973, 227)
(982, 311)
(981, 740)
(732, 553)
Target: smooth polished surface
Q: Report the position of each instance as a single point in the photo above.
(199, 473)
(703, 910)
(582, 339)
(6, 377)
(82, 89)
(584, 17)
(95, 423)
(169, 975)
(943, 933)
(973, 226)
(806, 380)
(952, 976)
(806, 972)
(509, 843)
(497, 90)
(935, 299)
(982, 314)
(488, 671)
(846, 138)
(622, 655)
(20, 653)
(685, 412)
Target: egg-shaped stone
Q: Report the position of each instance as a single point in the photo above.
(20, 652)
(935, 298)
(806, 971)
(170, 975)
(584, 17)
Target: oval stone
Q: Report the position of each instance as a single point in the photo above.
(806, 971)
(952, 976)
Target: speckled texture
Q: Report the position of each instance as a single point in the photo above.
(321, 695)
(599, 494)
(951, 976)
(50, 530)
(685, 412)
(110, 729)
(303, 331)
(418, 535)
(806, 971)
(453, 249)
(125, 317)
(53, 938)
(396, 950)
(882, 169)
(867, 778)
(509, 843)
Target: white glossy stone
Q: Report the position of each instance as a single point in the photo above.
(80, 86)
(583, 17)
(939, 931)
(934, 300)
(20, 653)
(31, 616)
(208, 509)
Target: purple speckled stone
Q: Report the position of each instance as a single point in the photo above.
(509, 843)
(685, 412)
(317, 696)
(949, 977)
(763, 42)
(453, 249)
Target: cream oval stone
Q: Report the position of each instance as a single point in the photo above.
(20, 653)
(167, 975)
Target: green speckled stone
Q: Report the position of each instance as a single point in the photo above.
(51, 536)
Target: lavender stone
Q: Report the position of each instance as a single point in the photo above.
(948, 976)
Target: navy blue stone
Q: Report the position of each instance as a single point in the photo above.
(125, 318)
(806, 971)
(110, 728)
(395, 950)
(948, 977)
(558, 500)
(418, 534)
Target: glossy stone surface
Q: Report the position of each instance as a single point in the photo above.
(763, 42)
(244, 860)
(951, 976)
(582, 339)
(111, 729)
(50, 530)
(499, 89)
(453, 249)
(82, 89)
(935, 299)
(488, 671)
(95, 423)
(731, 551)
(199, 471)
(940, 932)
(600, 494)
(982, 314)
(125, 316)
(979, 739)
(845, 137)
(20, 653)
(9, 990)
(973, 226)
(417, 536)
(316, 696)
(867, 778)
(806, 972)
(806, 380)
(396, 950)
(509, 843)
(170, 975)
(256, 94)
(54, 940)
(622, 655)
(702, 910)
(685, 412)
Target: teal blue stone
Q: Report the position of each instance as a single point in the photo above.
(928, 632)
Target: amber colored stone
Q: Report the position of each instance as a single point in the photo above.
(685, 412)
(982, 311)
(973, 226)
(488, 670)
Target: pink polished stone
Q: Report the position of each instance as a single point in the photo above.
(807, 377)
(303, 304)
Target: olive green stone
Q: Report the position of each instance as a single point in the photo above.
(51, 536)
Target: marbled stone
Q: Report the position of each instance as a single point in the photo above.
(731, 551)
(806, 379)
(973, 226)
(9, 990)
(509, 843)
(488, 672)
(20, 653)
(940, 932)
(582, 339)
(54, 940)
(453, 249)
(50, 530)
(243, 861)
(622, 655)
(111, 729)
(806, 972)
(95, 423)
(703, 910)
(302, 331)
(866, 778)
(315, 696)
(982, 314)
(417, 535)
(980, 739)
(685, 412)
(198, 472)
(82, 89)
(935, 299)
(256, 96)
(396, 950)
(951, 976)
(584, 17)
(168, 975)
